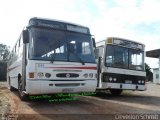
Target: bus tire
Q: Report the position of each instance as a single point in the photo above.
(22, 95)
(11, 88)
(116, 92)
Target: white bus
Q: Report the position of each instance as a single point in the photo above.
(52, 56)
(120, 65)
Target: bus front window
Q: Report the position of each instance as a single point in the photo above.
(80, 48)
(48, 44)
(136, 60)
(122, 57)
(117, 56)
(56, 45)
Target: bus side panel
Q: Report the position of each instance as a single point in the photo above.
(14, 66)
(14, 70)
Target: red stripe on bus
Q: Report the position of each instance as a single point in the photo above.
(9, 69)
(90, 68)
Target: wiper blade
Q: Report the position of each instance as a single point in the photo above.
(80, 60)
(53, 57)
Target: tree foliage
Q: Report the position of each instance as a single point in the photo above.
(4, 52)
(3, 70)
(149, 74)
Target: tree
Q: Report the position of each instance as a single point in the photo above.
(3, 70)
(4, 52)
(149, 74)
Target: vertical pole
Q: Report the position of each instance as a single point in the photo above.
(99, 72)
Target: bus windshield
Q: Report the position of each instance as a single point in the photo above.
(122, 57)
(56, 45)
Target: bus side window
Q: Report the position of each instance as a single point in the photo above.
(20, 46)
(17, 48)
(19, 41)
(11, 57)
(14, 54)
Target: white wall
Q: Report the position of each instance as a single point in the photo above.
(156, 76)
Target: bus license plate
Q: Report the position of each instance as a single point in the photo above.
(66, 90)
(128, 82)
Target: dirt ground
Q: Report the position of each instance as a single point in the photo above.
(98, 107)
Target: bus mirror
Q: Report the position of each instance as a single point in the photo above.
(25, 36)
(94, 43)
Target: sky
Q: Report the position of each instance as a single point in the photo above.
(137, 20)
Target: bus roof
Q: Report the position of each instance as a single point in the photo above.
(121, 42)
(59, 24)
(56, 20)
(122, 39)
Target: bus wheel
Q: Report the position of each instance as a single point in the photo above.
(116, 92)
(22, 95)
(11, 88)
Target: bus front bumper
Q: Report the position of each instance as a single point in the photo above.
(123, 86)
(38, 87)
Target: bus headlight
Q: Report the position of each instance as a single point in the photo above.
(47, 75)
(142, 82)
(110, 78)
(40, 74)
(91, 75)
(139, 81)
(31, 75)
(105, 78)
(85, 75)
(114, 79)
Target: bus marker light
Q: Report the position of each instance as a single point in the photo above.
(114, 79)
(40, 74)
(110, 78)
(51, 84)
(47, 75)
(91, 75)
(31, 75)
(82, 84)
(109, 41)
(85, 75)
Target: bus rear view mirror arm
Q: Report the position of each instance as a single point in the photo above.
(94, 43)
(25, 36)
